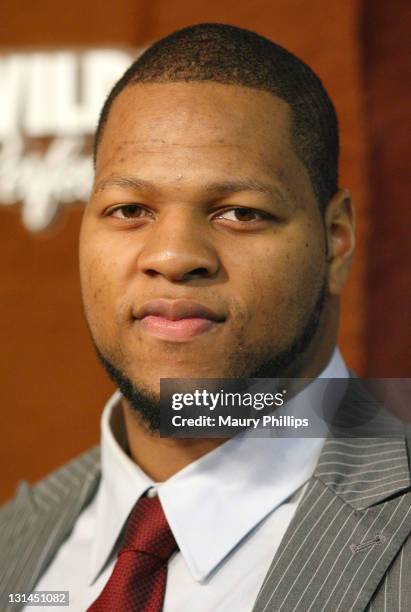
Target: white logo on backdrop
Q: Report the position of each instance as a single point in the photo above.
(49, 107)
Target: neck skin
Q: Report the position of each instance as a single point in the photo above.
(161, 458)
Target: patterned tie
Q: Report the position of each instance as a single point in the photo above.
(138, 581)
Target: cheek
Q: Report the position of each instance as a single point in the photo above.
(281, 283)
(98, 283)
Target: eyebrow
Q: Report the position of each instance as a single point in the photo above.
(216, 189)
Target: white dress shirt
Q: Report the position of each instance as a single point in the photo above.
(228, 512)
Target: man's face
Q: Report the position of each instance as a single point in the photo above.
(199, 196)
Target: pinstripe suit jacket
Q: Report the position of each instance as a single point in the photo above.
(348, 547)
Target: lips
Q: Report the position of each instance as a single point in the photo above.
(174, 310)
(177, 320)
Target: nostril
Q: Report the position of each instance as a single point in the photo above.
(198, 272)
(152, 272)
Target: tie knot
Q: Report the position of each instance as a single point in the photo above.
(148, 531)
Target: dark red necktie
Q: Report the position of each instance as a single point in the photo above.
(138, 581)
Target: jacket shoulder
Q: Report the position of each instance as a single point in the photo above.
(68, 475)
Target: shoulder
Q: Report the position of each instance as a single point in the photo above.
(40, 516)
(71, 475)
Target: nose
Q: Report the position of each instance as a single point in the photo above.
(177, 249)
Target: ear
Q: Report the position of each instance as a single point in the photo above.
(339, 219)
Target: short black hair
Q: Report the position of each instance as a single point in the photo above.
(234, 56)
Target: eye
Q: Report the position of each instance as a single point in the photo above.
(243, 214)
(128, 211)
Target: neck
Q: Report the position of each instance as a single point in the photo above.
(161, 458)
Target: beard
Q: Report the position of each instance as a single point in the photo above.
(286, 363)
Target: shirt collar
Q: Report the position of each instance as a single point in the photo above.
(202, 501)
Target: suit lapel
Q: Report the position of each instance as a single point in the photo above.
(352, 521)
(43, 516)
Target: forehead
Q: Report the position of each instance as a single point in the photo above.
(195, 115)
